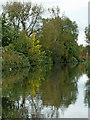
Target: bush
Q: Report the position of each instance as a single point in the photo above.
(14, 60)
(30, 47)
(73, 59)
(10, 47)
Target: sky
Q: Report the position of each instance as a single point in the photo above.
(76, 10)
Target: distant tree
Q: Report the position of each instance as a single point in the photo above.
(87, 33)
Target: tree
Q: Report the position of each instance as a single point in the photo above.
(30, 47)
(8, 33)
(70, 34)
(58, 35)
(24, 16)
(87, 33)
(49, 38)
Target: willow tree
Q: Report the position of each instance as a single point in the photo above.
(59, 36)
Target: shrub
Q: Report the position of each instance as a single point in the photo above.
(73, 59)
(30, 47)
(10, 47)
(14, 60)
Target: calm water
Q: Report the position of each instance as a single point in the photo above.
(57, 92)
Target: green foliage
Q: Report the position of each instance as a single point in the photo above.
(20, 32)
(10, 47)
(59, 35)
(31, 48)
(8, 33)
(73, 60)
(87, 33)
(14, 60)
(24, 16)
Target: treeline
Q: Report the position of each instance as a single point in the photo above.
(30, 39)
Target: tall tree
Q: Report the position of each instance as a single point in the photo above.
(8, 33)
(59, 35)
(24, 16)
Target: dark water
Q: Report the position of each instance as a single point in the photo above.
(57, 92)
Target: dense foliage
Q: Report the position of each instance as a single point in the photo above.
(41, 40)
(59, 37)
(13, 60)
(31, 41)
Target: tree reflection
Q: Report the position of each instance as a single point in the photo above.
(60, 87)
(28, 94)
(87, 93)
(18, 86)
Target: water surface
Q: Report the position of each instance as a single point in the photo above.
(57, 92)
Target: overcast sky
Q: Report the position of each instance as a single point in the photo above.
(76, 10)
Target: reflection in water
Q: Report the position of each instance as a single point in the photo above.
(87, 95)
(59, 88)
(42, 92)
